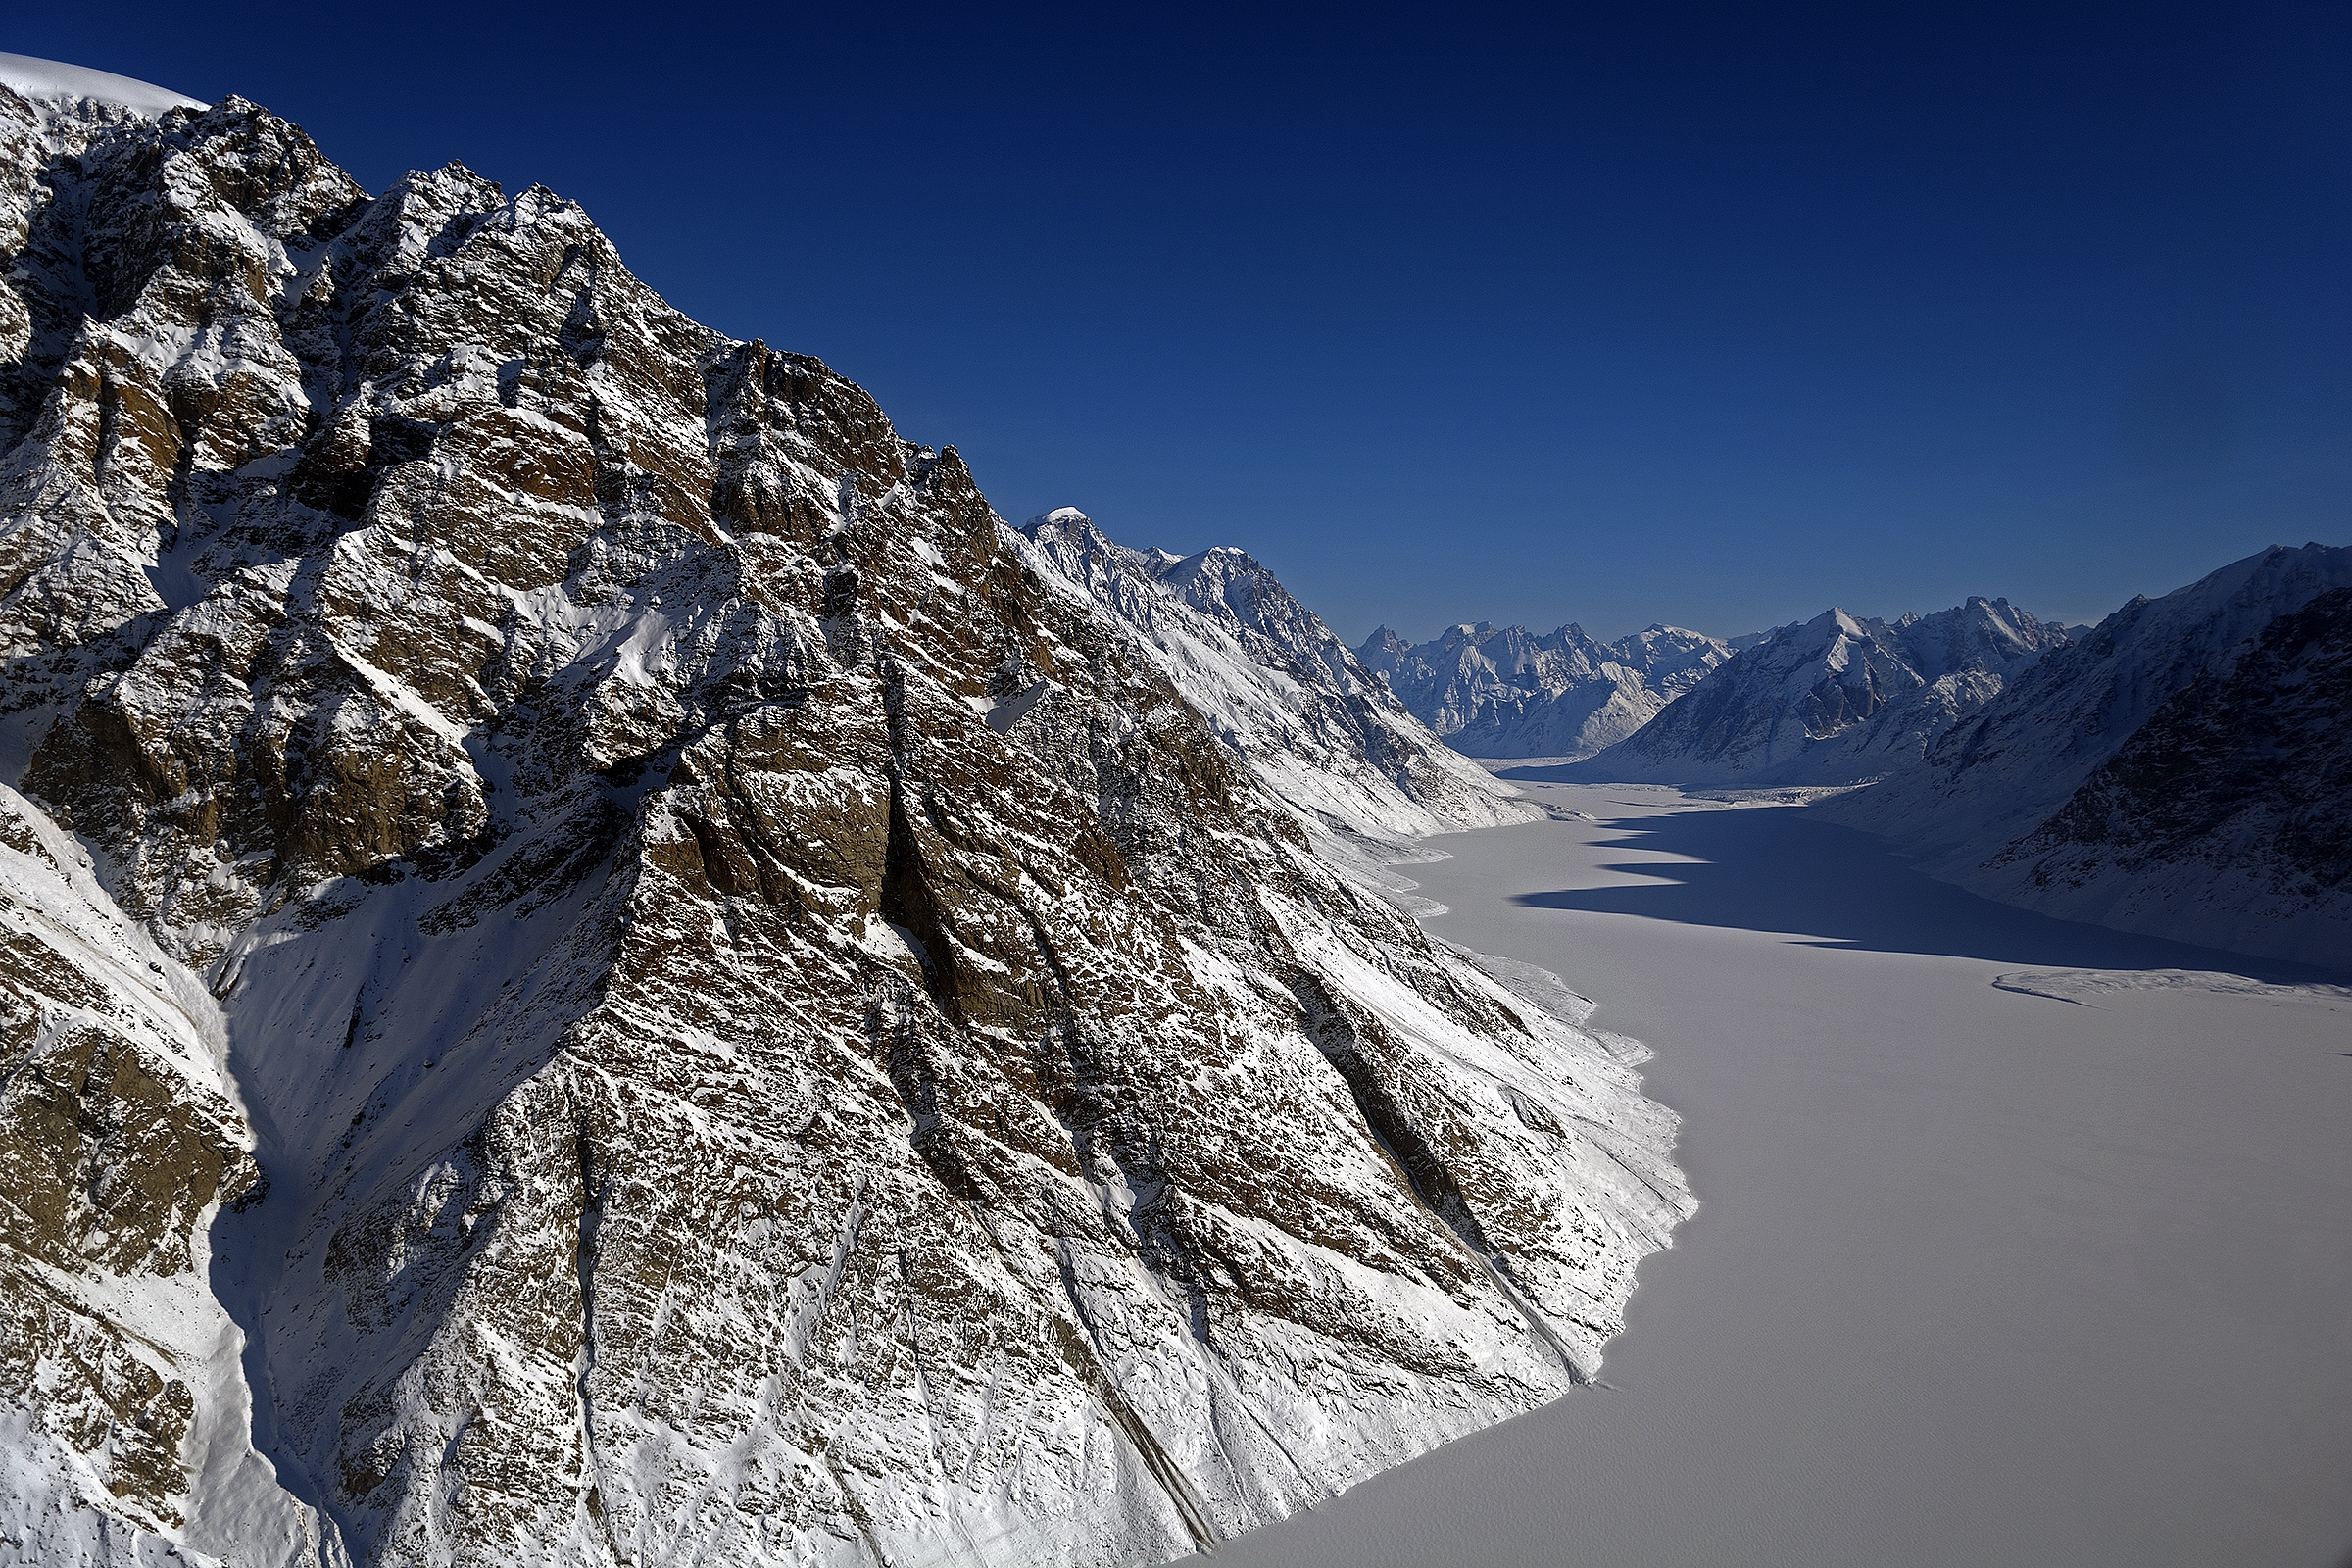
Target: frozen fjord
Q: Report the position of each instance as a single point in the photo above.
(1979, 1275)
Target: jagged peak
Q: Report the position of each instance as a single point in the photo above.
(1834, 621)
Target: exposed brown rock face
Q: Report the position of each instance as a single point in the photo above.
(721, 1094)
(119, 1135)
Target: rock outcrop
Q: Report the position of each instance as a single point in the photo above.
(647, 987)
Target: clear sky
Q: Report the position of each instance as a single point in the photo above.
(1711, 316)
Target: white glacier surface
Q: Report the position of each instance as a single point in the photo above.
(52, 81)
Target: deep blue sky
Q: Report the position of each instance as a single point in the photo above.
(1707, 316)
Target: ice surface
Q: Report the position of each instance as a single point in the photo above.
(1980, 1276)
(2090, 985)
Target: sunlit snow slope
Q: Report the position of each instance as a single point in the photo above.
(1832, 700)
(1507, 692)
(54, 82)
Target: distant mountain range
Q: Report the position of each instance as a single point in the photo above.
(1489, 690)
(2183, 768)
(1832, 700)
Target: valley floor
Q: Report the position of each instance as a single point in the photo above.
(2057, 1270)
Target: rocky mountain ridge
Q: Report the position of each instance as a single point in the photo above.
(1832, 701)
(637, 982)
(1278, 687)
(1498, 692)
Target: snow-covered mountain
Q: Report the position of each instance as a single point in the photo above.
(597, 965)
(1489, 690)
(1832, 700)
(1277, 687)
(2180, 771)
